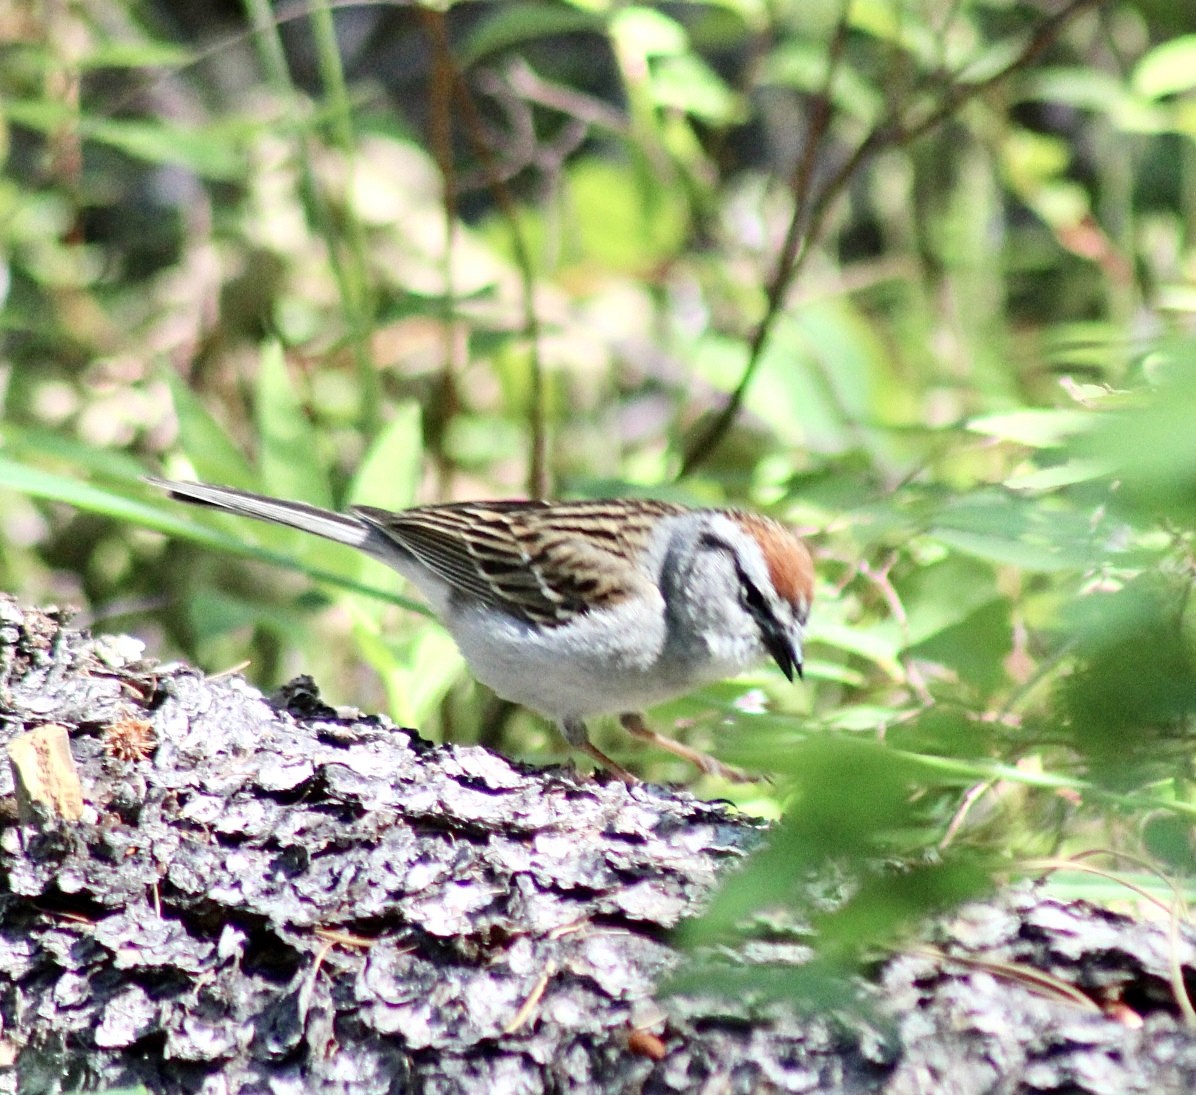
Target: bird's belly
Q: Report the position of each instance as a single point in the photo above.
(585, 668)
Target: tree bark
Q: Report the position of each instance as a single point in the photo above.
(271, 895)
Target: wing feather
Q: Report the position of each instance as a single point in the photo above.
(546, 562)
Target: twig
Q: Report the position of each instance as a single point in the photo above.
(1045, 984)
(1175, 911)
(533, 998)
(440, 127)
(879, 577)
(596, 114)
(974, 794)
(805, 230)
(434, 26)
(794, 249)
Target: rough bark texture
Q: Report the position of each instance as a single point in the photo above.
(269, 896)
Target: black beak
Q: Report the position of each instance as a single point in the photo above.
(778, 640)
(783, 650)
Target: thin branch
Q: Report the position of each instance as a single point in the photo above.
(589, 109)
(793, 250)
(1035, 980)
(440, 132)
(1176, 911)
(804, 231)
(348, 263)
(475, 130)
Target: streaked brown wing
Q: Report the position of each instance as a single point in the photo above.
(547, 562)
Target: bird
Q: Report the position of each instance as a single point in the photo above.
(579, 609)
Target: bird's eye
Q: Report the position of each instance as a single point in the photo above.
(753, 599)
(750, 596)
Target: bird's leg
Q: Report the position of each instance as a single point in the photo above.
(577, 736)
(633, 723)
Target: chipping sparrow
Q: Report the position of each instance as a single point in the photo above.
(576, 609)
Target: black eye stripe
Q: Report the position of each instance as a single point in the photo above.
(752, 597)
(710, 540)
(773, 633)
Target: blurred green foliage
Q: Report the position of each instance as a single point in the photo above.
(391, 255)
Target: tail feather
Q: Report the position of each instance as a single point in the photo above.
(320, 522)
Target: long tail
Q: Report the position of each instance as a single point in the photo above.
(320, 522)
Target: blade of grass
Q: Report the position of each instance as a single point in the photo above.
(59, 488)
(972, 770)
(349, 269)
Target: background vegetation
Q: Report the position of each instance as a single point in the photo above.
(918, 277)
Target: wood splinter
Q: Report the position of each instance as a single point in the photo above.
(44, 776)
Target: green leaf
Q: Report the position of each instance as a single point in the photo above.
(137, 1089)
(37, 114)
(942, 730)
(877, 644)
(852, 799)
(1080, 885)
(975, 647)
(212, 615)
(20, 442)
(1169, 839)
(1038, 428)
(941, 595)
(821, 986)
(290, 465)
(1013, 530)
(1007, 551)
(139, 54)
(825, 377)
(174, 520)
(1151, 443)
(802, 65)
(891, 901)
(212, 151)
(646, 32)
(389, 474)
(614, 226)
(507, 25)
(416, 671)
(208, 151)
(688, 84)
(1066, 474)
(1168, 69)
(1086, 88)
(206, 444)
(60, 488)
